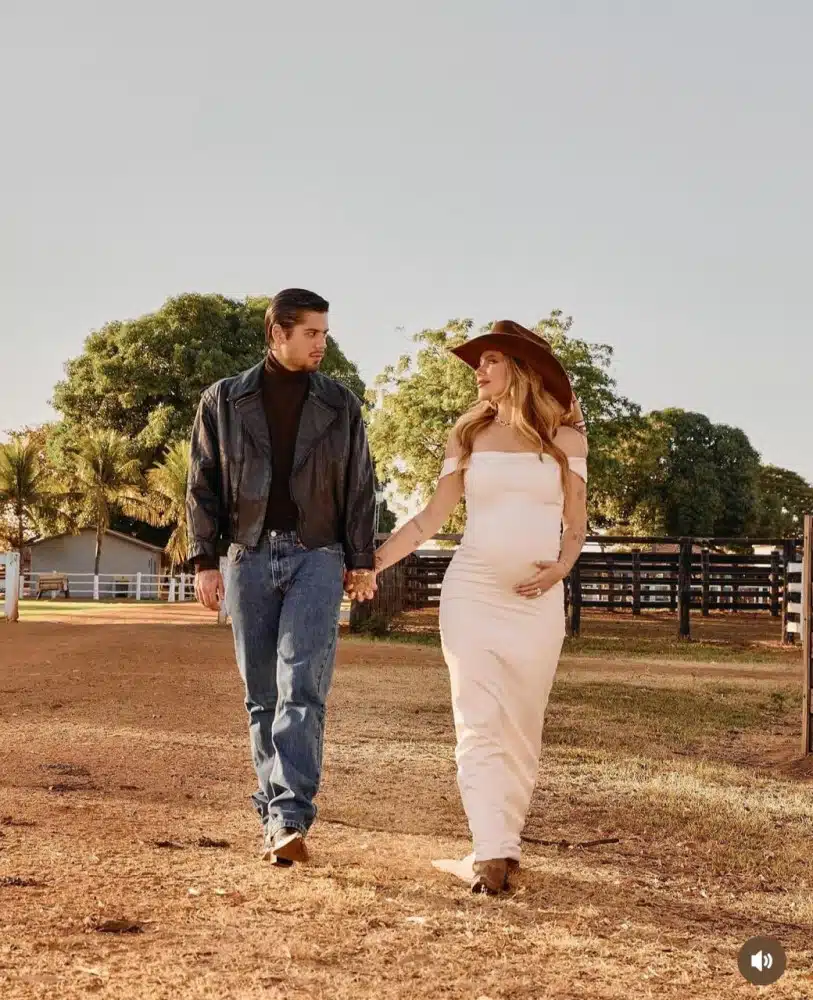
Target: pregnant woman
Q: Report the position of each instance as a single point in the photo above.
(522, 464)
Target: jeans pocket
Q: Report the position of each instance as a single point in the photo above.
(235, 553)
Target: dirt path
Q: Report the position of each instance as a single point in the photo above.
(124, 796)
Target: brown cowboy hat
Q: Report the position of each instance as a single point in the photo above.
(514, 340)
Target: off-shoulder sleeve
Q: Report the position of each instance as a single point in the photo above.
(579, 466)
(449, 466)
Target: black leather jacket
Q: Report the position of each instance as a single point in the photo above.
(332, 479)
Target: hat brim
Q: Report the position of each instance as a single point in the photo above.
(542, 361)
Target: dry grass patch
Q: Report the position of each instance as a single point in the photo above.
(687, 775)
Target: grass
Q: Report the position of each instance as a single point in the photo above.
(660, 647)
(671, 714)
(718, 820)
(620, 647)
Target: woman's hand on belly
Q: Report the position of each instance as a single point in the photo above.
(547, 575)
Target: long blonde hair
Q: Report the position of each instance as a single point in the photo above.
(535, 416)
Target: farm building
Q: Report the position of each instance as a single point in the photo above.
(75, 554)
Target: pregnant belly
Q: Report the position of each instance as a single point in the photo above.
(507, 564)
(511, 537)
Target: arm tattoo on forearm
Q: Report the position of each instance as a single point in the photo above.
(573, 541)
(577, 535)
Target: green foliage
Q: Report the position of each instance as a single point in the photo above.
(610, 416)
(27, 494)
(386, 518)
(783, 498)
(143, 377)
(738, 470)
(680, 474)
(165, 501)
(105, 478)
(419, 407)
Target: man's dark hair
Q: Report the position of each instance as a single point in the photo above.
(287, 307)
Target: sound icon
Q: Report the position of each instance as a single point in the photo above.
(762, 961)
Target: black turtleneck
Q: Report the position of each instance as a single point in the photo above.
(284, 394)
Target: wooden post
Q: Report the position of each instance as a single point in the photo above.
(775, 577)
(222, 614)
(705, 562)
(610, 586)
(685, 587)
(138, 586)
(807, 636)
(171, 595)
(96, 587)
(576, 599)
(182, 588)
(636, 582)
(13, 577)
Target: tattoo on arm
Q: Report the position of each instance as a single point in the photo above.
(578, 535)
(573, 541)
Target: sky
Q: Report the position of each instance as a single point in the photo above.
(643, 166)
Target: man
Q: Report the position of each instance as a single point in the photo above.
(281, 469)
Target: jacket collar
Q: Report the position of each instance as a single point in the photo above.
(249, 382)
(318, 413)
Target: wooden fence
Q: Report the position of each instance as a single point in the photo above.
(696, 575)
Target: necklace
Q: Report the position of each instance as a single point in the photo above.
(499, 420)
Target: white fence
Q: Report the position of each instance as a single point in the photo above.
(793, 623)
(112, 586)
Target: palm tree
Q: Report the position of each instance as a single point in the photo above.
(107, 476)
(25, 495)
(166, 499)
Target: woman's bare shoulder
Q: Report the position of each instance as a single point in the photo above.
(572, 442)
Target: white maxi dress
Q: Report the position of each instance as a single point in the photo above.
(501, 649)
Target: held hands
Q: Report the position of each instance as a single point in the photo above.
(359, 584)
(548, 575)
(209, 588)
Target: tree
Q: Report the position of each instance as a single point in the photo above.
(386, 517)
(611, 417)
(26, 493)
(106, 478)
(783, 498)
(165, 502)
(143, 377)
(737, 463)
(418, 408)
(680, 474)
(420, 402)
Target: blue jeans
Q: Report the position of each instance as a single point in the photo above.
(284, 603)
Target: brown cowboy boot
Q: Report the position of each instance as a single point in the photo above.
(512, 867)
(490, 877)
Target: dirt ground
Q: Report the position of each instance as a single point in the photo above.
(743, 628)
(124, 785)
